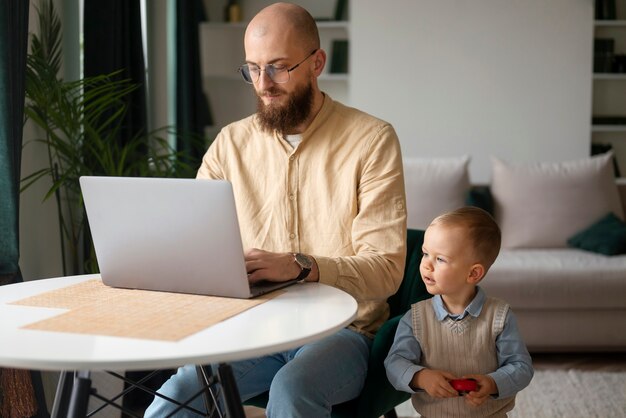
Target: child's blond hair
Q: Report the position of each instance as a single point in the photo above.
(482, 231)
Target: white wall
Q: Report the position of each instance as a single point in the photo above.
(40, 253)
(510, 78)
(505, 77)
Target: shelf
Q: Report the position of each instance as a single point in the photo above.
(225, 25)
(334, 77)
(236, 77)
(333, 24)
(610, 23)
(608, 111)
(608, 128)
(225, 77)
(330, 24)
(609, 76)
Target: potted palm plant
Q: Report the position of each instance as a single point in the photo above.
(80, 121)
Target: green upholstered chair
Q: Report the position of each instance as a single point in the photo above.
(378, 397)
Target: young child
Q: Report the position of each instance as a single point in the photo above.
(459, 332)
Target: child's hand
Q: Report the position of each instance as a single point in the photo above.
(435, 383)
(486, 387)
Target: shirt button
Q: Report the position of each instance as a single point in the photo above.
(399, 206)
(292, 236)
(291, 158)
(291, 197)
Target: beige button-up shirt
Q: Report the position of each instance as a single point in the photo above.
(338, 196)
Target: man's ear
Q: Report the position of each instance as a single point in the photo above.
(319, 61)
(477, 272)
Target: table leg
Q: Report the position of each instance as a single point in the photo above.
(72, 395)
(230, 391)
(205, 377)
(74, 388)
(62, 396)
(79, 401)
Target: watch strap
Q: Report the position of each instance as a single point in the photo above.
(305, 265)
(303, 274)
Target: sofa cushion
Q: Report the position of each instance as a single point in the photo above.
(541, 205)
(480, 196)
(557, 278)
(434, 186)
(606, 236)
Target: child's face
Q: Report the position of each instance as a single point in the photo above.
(447, 261)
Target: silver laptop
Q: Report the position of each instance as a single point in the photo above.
(174, 235)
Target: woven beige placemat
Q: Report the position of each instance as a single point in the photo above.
(97, 309)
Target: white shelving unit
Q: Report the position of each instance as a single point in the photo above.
(222, 52)
(609, 90)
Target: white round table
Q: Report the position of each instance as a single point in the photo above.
(305, 312)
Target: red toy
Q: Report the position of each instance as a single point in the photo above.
(464, 386)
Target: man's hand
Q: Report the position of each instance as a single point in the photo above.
(486, 388)
(435, 383)
(275, 267)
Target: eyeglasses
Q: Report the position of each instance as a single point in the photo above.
(277, 73)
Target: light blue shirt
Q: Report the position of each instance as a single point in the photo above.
(515, 368)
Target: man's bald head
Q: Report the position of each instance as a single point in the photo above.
(286, 20)
(283, 37)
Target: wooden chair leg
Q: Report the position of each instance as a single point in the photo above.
(391, 414)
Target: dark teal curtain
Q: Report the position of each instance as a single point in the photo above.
(12, 80)
(112, 42)
(21, 391)
(192, 108)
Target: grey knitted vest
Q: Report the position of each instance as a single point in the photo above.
(461, 347)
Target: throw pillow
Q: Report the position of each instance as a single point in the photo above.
(480, 196)
(542, 204)
(606, 236)
(434, 186)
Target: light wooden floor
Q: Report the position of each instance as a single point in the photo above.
(589, 361)
(551, 361)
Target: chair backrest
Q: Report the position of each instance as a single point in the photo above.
(412, 289)
(378, 396)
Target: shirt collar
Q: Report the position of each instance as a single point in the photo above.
(473, 309)
(318, 120)
(321, 116)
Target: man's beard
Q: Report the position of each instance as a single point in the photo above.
(285, 118)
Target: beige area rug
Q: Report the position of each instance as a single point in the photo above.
(565, 394)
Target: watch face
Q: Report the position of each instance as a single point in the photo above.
(303, 260)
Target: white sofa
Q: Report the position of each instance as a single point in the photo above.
(565, 299)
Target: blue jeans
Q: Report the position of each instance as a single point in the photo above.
(303, 382)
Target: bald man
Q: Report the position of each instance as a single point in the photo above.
(320, 197)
